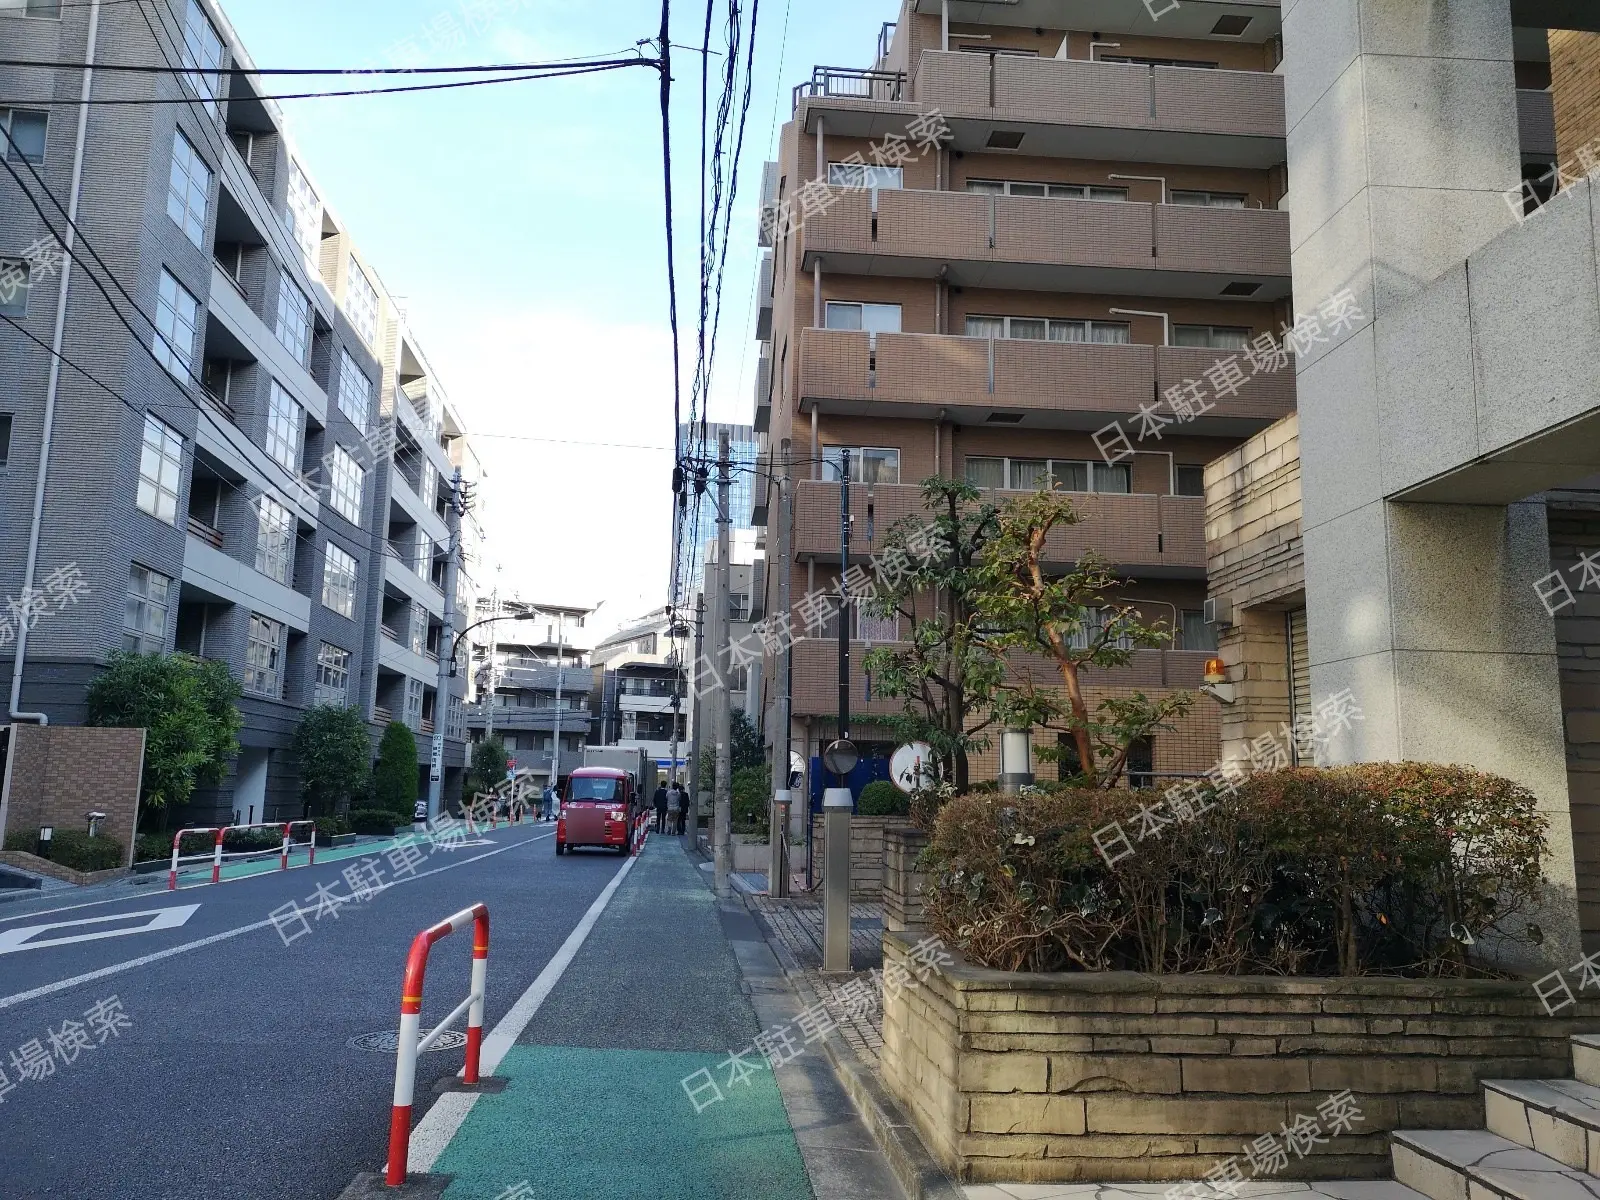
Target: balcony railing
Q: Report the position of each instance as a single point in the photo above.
(426, 726)
(393, 634)
(381, 715)
(815, 677)
(854, 82)
(208, 534)
(929, 371)
(914, 233)
(1129, 530)
(1056, 91)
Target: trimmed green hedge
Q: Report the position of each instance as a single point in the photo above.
(74, 848)
(373, 821)
(1382, 868)
(880, 798)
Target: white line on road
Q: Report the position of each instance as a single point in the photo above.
(145, 960)
(26, 937)
(434, 1132)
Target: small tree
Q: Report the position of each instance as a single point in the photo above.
(746, 749)
(334, 751)
(1020, 606)
(394, 779)
(945, 674)
(490, 762)
(189, 708)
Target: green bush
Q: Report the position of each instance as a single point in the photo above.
(332, 826)
(1379, 868)
(394, 779)
(752, 793)
(74, 848)
(373, 820)
(880, 798)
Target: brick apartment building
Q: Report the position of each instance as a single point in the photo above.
(1100, 226)
(262, 478)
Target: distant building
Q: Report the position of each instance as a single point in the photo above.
(744, 452)
(638, 671)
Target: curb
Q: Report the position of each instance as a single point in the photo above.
(918, 1172)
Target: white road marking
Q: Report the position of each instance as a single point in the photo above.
(134, 963)
(21, 938)
(441, 1123)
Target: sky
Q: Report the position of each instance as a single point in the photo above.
(522, 227)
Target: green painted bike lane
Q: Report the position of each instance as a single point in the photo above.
(596, 1104)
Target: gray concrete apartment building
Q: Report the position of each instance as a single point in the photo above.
(262, 478)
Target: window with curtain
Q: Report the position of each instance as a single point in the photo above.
(1054, 191)
(1116, 333)
(1201, 199)
(1211, 337)
(868, 464)
(868, 318)
(1195, 633)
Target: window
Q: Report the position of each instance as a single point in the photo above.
(5, 438)
(868, 464)
(866, 175)
(1195, 634)
(1067, 475)
(1141, 764)
(294, 320)
(456, 726)
(414, 704)
(160, 470)
(35, 8)
(177, 313)
(14, 283)
(1139, 60)
(1003, 50)
(188, 190)
(202, 52)
(144, 627)
(872, 318)
(339, 582)
(1190, 481)
(333, 676)
(274, 539)
(346, 484)
(1209, 199)
(306, 212)
(1055, 191)
(29, 133)
(285, 423)
(1095, 621)
(263, 657)
(1111, 333)
(361, 304)
(355, 394)
(738, 606)
(1211, 337)
(1069, 763)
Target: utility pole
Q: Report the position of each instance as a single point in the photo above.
(494, 645)
(677, 701)
(555, 761)
(722, 829)
(778, 868)
(837, 802)
(447, 638)
(844, 605)
(691, 827)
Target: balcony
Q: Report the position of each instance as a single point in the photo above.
(1157, 535)
(815, 678)
(1022, 242)
(1048, 385)
(381, 715)
(206, 533)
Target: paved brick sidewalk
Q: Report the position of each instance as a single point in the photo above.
(797, 924)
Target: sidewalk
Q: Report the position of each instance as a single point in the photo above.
(625, 1082)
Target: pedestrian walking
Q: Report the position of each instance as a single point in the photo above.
(660, 799)
(683, 809)
(547, 806)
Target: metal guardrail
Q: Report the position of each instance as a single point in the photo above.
(854, 82)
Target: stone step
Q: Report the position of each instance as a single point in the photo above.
(1472, 1164)
(1557, 1117)
(1586, 1058)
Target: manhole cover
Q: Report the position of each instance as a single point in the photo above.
(386, 1042)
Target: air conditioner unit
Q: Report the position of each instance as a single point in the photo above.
(1218, 611)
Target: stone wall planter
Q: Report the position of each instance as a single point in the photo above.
(1119, 1077)
(866, 854)
(43, 866)
(902, 882)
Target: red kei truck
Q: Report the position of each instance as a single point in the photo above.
(598, 809)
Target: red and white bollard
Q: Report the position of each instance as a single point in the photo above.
(410, 1044)
(216, 857)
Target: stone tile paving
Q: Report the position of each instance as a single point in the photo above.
(797, 923)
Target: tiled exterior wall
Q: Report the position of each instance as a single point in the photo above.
(58, 774)
(902, 882)
(1120, 1077)
(866, 853)
(1575, 83)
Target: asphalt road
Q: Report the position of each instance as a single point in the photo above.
(232, 1074)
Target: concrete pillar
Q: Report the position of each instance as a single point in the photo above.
(1402, 142)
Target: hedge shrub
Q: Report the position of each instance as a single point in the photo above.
(752, 796)
(1394, 868)
(373, 820)
(880, 798)
(74, 848)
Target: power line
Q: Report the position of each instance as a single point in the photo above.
(474, 69)
(378, 91)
